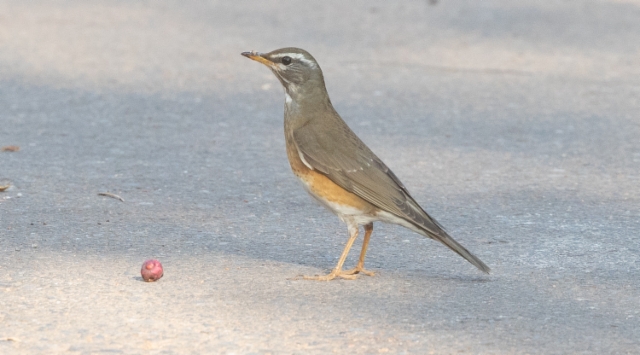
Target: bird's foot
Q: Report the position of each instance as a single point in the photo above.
(332, 275)
(359, 270)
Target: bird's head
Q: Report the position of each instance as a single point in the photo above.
(296, 69)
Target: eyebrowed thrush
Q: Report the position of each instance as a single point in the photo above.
(337, 168)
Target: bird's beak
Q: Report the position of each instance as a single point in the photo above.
(258, 57)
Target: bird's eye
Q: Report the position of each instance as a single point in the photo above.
(286, 60)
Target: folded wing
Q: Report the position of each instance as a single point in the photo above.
(335, 151)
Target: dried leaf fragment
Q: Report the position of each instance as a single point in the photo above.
(109, 194)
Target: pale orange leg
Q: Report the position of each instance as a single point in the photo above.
(353, 234)
(368, 229)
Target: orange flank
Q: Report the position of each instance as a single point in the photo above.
(323, 188)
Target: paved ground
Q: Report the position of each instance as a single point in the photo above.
(516, 124)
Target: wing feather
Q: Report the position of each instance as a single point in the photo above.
(338, 153)
(335, 151)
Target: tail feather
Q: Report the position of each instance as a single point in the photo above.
(445, 239)
(429, 227)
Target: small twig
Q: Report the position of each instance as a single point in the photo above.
(109, 194)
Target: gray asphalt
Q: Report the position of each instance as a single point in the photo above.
(515, 124)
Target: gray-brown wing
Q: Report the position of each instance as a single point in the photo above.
(338, 153)
(335, 151)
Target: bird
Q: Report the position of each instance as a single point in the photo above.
(337, 168)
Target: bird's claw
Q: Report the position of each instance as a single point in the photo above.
(359, 270)
(332, 275)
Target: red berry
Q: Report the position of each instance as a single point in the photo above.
(151, 270)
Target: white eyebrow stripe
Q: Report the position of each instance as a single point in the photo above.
(292, 55)
(308, 62)
(297, 56)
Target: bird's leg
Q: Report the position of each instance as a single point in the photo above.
(353, 234)
(368, 229)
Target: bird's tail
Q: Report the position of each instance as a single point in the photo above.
(445, 239)
(432, 229)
